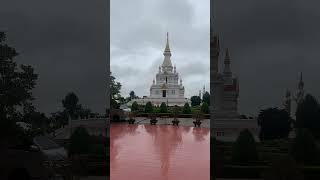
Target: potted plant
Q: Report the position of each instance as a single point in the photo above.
(197, 118)
(132, 116)
(153, 118)
(175, 120)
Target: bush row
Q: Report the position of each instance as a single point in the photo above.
(206, 116)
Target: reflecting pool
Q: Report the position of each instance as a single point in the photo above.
(159, 152)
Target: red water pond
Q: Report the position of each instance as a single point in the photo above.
(159, 152)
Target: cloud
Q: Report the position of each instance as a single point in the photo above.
(65, 41)
(270, 43)
(138, 37)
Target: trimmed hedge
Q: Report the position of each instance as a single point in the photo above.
(207, 116)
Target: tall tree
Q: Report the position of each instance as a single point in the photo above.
(115, 93)
(16, 84)
(148, 108)
(135, 106)
(70, 103)
(205, 108)
(206, 98)
(186, 109)
(274, 124)
(132, 95)
(195, 101)
(308, 115)
(163, 108)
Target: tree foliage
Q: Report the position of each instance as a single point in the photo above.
(116, 97)
(244, 148)
(70, 103)
(16, 84)
(205, 108)
(72, 107)
(274, 124)
(148, 108)
(308, 115)
(163, 108)
(195, 101)
(132, 95)
(134, 106)
(206, 97)
(186, 109)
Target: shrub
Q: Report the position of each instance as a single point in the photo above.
(148, 108)
(163, 108)
(205, 108)
(275, 124)
(135, 106)
(308, 115)
(244, 149)
(186, 109)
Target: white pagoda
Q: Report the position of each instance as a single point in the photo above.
(166, 88)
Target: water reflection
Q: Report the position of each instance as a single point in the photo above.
(159, 152)
(200, 134)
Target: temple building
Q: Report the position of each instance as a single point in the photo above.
(166, 87)
(298, 97)
(226, 85)
(226, 122)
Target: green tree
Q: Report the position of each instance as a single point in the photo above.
(70, 103)
(186, 109)
(134, 106)
(148, 108)
(80, 141)
(16, 87)
(176, 110)
(163, 108)
(303, 148)
(132, 95)
(308, 115)
(206, 97)
(274, 124)
(205, 108)
(244, 149)
(195, 101)
(116, 97)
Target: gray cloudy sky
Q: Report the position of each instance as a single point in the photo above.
(138, 36)
(270, 43)
(65, 41)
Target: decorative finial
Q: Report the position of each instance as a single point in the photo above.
(227, 54)
(301, 83)
(167, 49)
